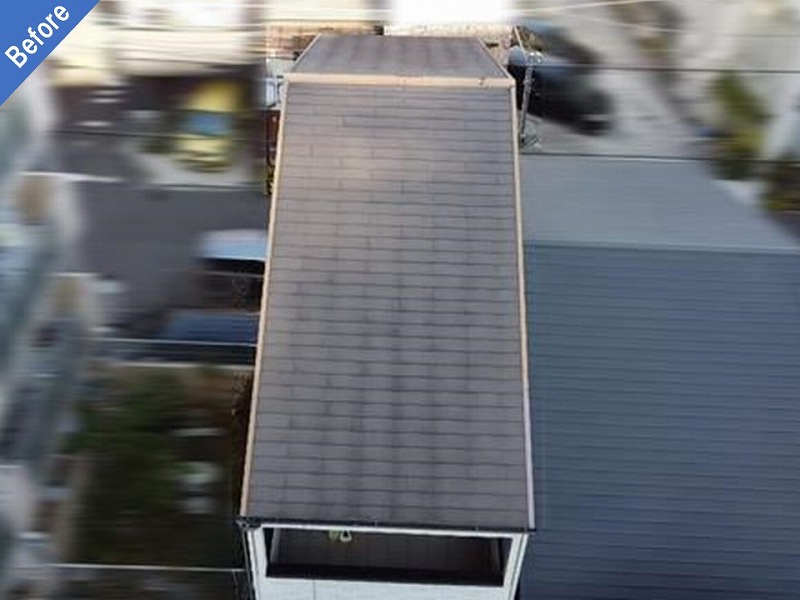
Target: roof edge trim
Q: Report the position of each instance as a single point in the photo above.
(305, 52)
(399, 80)
(253, 521)
(251, 426)
(530, 244)
(527, 413)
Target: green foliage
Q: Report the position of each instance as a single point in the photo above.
(783, 185)
(740, 106)
(157, 143)
(240, 420)
(135, 503)
(128, 436)
(742, 121)
(161, 140)
(736, 154)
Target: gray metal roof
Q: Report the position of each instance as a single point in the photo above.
(666, 421)
(406, 56)
(391, 387)
(643, 203)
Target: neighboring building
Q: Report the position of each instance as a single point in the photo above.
(322, 10)
(664, 331)
(44, 332)
(185, 37)
(86, 57)
(389, 448)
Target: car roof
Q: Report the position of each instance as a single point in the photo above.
(207, 326)
(234, 244)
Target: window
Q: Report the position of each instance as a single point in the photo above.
(208, 124)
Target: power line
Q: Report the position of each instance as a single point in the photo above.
(145, 568)
(331, 10)
(623, 157)
(584, 5)
(675, 158)
(685, 30)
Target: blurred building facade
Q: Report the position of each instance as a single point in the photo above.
(183, 37)
(44, 334)
(758, 40)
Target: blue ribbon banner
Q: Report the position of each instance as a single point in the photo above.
(29, 31)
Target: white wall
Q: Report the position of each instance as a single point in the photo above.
(179, 14)
(186, 37)
(303, 589)
(320, 10)
(283, 589)
(17, 496)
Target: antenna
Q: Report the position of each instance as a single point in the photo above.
(533, 57)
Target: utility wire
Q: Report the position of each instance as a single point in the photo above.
(143, 568)
(331, 11)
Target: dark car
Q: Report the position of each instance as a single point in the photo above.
(211, 327)
(553, 40)
(561, 92)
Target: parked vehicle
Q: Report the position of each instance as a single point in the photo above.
(211, 327)
(231, 267)
(552, 39)
(205, 136)
(561, 92)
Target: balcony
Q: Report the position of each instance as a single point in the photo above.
(387, 557)
(51, 538)
(26, 259)
(51, 371)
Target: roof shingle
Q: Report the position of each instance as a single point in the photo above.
(391, 381)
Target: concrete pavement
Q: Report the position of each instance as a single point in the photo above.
(148, 241)
(644, 121)
(141, 236)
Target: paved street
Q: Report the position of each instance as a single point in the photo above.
(644, 123)
(146, 236)
(141, 235)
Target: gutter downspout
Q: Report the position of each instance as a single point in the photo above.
(533, 57)
(248, 569)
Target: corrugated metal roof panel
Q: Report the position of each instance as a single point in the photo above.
(665, 424)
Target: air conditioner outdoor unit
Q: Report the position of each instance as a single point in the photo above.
(340, 536)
